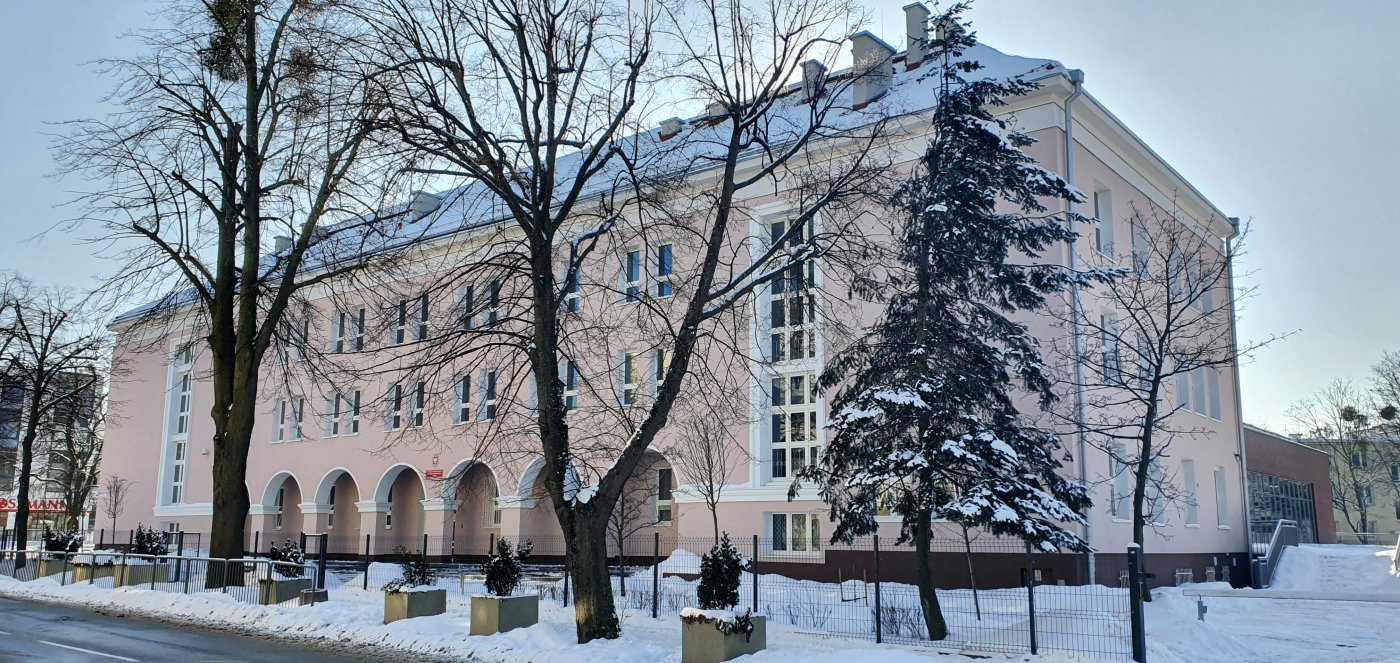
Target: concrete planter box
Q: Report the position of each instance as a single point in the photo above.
(406, 605)
(703, 642)
(141, 575)
(498, 614)
(314, 596)
(272, 592)
(88, 572)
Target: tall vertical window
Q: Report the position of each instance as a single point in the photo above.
(632, 276)
(466, 312)
(1140, 249)
(462, 393)
(628, 378)
(420, 310)
(1188, 485)
(339, 327)
(389, 515)
(1108, 340)
(277, 508)
(330, 513)
(330, 419)
(398, 331)
(488, 395)
(792, 304)
(301, 339)
(287, 417)
(1198, 390)
(493, 502)
(1222, 499)
(393, 408)
(793, 423)
(1103, 229)
(570, 385)
(663, 495)
(419, 396)
(663, 271)
(573, 297)
(1121, 485)
(492, 314)
(661, 363)
(342, 416)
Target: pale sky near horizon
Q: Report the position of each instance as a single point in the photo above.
(1279, 112)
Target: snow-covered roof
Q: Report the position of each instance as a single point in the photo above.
(473, 205)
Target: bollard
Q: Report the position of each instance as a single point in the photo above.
(755, 573)
(1030, 595)
(368, 558)
(655, 573)
(879, 631)
(1135, 610)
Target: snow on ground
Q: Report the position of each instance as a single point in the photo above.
(1338, 568)
(355, 616)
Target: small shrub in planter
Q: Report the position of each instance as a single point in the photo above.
(713, 632)
(149, 541)
(140, 571)
(502, 612)
(416, 593)
(57, 545)
(287, 582)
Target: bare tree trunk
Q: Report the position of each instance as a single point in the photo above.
(26, 469)
(594, 610)
(928, 596)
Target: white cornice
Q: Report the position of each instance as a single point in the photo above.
(179, 510)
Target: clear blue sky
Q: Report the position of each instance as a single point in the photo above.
(1280, 112)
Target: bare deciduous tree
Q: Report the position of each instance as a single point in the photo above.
(536, 106)
(74, 453)
(705, 453)
(1361, 449)
(238, 169)
(114, 494)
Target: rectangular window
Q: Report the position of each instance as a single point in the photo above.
(1108, 340)
(393, 408)
(1188, 484)
(398, 330)
(1198, 391)
(492, 314)
(182, 403)
(330, 419)
(1222, 499)
(660, 364)
(570, 385)
(1212, 393)
(279, 420)
(1359, 459)
(338, 328)
(330, 515)
(1365, 496)
(419, 396)
(663, 271)
(1395, 473)
(629, 378)
(488, 395)
(301, 340)
(357, 330)
(350, 409)
(1103, 229)
(466, 312)
(493, 512)
(795, 532)
(177, 483)
(1140, 249)
(462, 413)
(631, 276)
(779, 531)
(793, 420)
(277, 509)
(573, 296)
(1122, 486)
(663, 495)
(420, 328)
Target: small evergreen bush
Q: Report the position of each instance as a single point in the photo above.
(503, 568)
(416, 571)
(62, 541)
(290, 553)
(149, 541)
(720, 572)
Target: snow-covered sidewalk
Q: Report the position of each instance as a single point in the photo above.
(354, 616)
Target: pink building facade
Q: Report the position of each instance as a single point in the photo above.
(369, 452)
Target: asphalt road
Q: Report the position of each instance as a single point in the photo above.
(39, 631)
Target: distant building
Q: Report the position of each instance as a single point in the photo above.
(50, 469)
(1288, 480)
(1365, 483)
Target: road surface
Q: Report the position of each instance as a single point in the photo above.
(43, 632)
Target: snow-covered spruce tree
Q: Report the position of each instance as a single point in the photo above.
(721, 570)
(503, 569)
(925, 411)
(149, 541)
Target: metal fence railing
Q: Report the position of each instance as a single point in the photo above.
(1368, 538)
(251, 580)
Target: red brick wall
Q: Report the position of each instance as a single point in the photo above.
(1269, 453)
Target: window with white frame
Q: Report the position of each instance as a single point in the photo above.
(462, 395)
(1198, 390)
(1156, 503)
(277, 508)
(1122, 482)
(180, 405)
(417, 399)
(398, 331)
(301, 339)
(466, 307)
(393, 407)
(1103, 228)
(631, 275)
(794, 532)
(493, 502)
(492, 312)
(627, 376)
(664, 500)
(488, 394)
(1395, 473)
(1140, 249)
(342, 414)
(793, 423)
(1108, 342)
(570, 385)
(662, 260)
(1188, 484)
(420, 318)
(1359, 459)
(792, 304)
(287, 417)
(573, 295)
(330, 512)
(347, 331)
(661, 362)
(1365, 496)
(389, 514)
(1222, 499)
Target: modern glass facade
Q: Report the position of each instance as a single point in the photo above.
(1273, 498)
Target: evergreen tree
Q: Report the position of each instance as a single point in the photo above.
(293, 556)
(503, 569)
(720, 572)
(925, 414)
(417, 572)
(149, 541)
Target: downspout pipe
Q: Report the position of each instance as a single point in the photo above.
(1239, 406)
(1076, 79)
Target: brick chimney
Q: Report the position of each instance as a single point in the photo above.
(916, 32)
(874, 69)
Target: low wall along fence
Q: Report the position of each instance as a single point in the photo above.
(996, 595)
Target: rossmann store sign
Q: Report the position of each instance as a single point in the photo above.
(10, 505)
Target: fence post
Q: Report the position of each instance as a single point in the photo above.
(321, 562)
(63, 579)
(491, 547)
(452, 545)
(102, 538)
(257, 535)
(1030, 594)
(367, 561)
(425, 544)
(180, 570)
(155, 566)
(1135, 579)
(879, 631)
(566, 580)
(755, 573)
(187, 574)
(130, 539)
(302, 543)
(655, 573)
